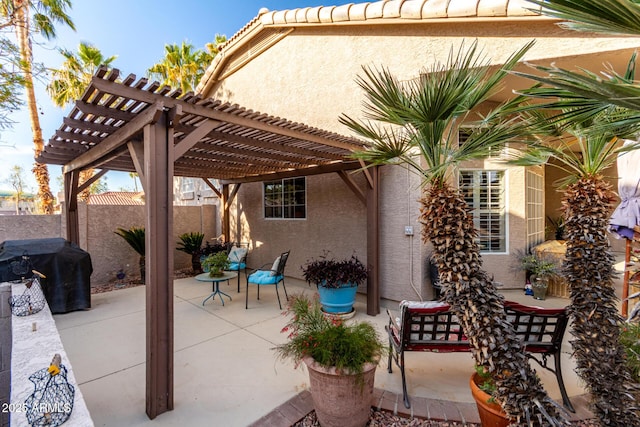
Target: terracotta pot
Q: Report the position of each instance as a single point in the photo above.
(491, 413)
(341, 399)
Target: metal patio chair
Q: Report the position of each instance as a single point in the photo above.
(273, 276)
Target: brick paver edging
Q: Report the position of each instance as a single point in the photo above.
(300, 405)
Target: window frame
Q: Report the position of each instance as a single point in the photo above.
(503, 214)
(284, 206)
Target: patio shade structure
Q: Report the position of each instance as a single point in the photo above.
(128, 124)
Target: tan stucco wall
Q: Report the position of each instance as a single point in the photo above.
(109, 252)
(336, 222)
(20, 227)
(309, 77)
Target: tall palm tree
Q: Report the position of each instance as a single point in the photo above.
(594, 109)
(46, 14)
(588, 267)
(183, 66)
(416, 124)
(69, 82)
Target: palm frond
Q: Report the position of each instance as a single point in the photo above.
(609, 101)
(422, 116)
(135, 237)
(602, 16)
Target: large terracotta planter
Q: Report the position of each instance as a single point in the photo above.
(491, 414)
(341, 399)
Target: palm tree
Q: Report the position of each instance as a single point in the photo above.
(416, 124)
(183, 66)
(588, 266)
(46, 13)
(135, 237)
(594, 109)
(69, 82)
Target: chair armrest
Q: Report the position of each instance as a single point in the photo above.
(392, 319)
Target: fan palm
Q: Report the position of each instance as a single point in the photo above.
(586, 94)
(183, 66)
(588, 267)
(69, 82)
(415, 124)
(135, 237)
(191, 243)
(46, 13)
(594, 109)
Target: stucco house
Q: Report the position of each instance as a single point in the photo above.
(302, 64)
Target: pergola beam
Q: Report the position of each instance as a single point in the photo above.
(149, 97)
(116, 139)
(191, 139)
(315, 170)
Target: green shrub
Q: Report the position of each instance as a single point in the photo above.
(630, 339)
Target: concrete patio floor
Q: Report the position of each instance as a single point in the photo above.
(225, 371)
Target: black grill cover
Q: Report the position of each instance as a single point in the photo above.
(67, 286)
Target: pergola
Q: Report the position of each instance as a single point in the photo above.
(132, 125)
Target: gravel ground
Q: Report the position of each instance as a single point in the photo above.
(387, 419)
(135, 281)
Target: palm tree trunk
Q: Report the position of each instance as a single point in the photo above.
(85, 175)
(40, 171)
(588, 268)
(448, 225)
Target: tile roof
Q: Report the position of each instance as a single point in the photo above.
(391, 10)
(403, 9)
(127, 198)
(379, 12)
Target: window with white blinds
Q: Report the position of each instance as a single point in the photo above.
(484, 191)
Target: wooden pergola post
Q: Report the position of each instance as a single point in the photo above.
(373, 240)
(158, 165)
(226, 224)
(71, 180)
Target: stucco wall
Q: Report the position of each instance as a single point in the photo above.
(109, 252)
(336, 222)
(18, 227)
(309, 77)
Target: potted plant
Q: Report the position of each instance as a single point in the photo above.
(216, 264)
(482, 390)
(191, 243)
(341, 360)
(539, 271)
(337, 281)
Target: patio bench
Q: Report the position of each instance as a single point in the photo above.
(431, 326)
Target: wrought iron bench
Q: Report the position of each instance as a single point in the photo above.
(422, 327)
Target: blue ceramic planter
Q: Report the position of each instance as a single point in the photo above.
(337, 300)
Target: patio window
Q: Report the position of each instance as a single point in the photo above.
(484, 191)
(285, 199)
(535, 208)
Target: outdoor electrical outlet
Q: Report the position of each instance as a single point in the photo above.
(408, 230)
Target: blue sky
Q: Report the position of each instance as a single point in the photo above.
(136, 31)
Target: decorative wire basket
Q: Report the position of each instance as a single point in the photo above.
(32, 299)
(51, 402)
